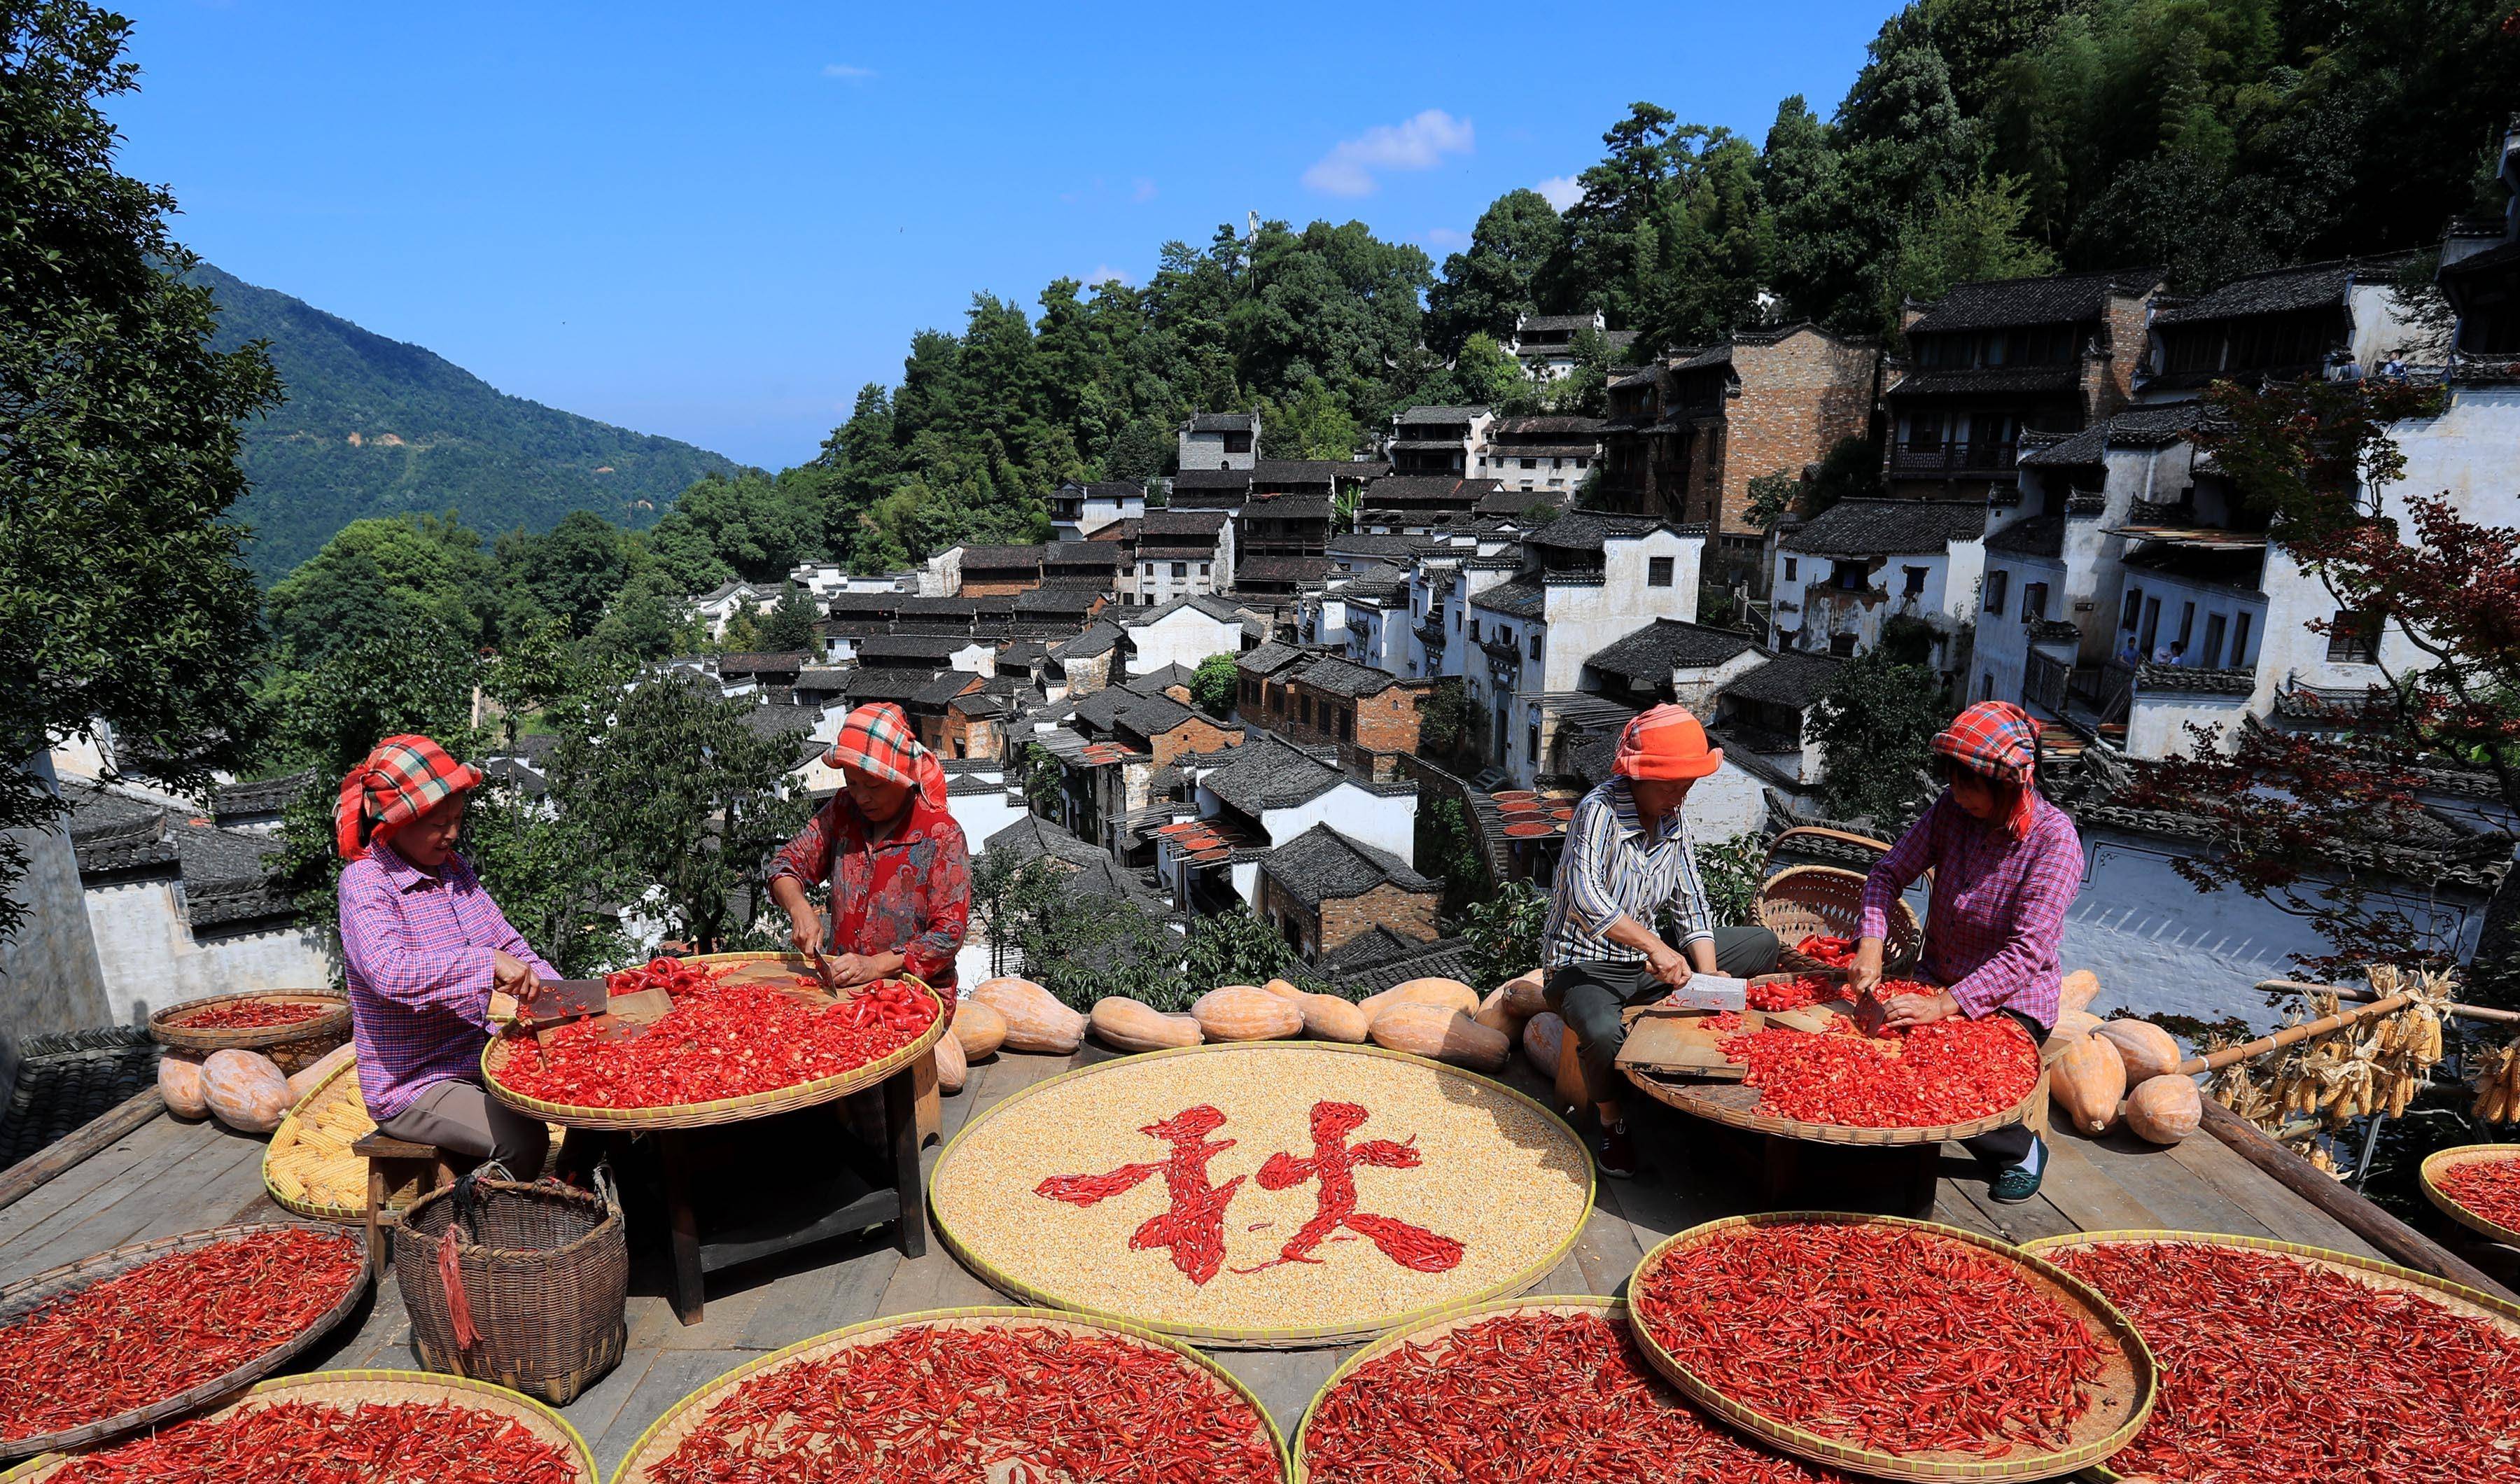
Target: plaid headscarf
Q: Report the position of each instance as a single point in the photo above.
(401, 780)
(1997, 740)
(877, 738)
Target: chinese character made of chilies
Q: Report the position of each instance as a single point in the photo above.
(1192, 1227)
(1334, 1164)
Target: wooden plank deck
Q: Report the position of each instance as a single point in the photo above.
(168, 1177)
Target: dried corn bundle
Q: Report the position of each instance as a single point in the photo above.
(2315, 1087)
(2498, 1086)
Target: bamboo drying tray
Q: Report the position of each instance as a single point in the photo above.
(2440, 1160)
(2121, 1404)
(293, 1046)
(351, 1387)
(667, 1432)
(751, 967)
(2467, 1302)
(1000, 1143)
(30, 1295)
(321, 1104)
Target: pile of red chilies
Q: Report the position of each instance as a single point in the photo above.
(947, 1404)
(1950, 1071)
(1884, 1337)
(1793, 994)
(720, 1041)
(298, 1443)
(167, 1325)
(1525, 1397)
(1836, 953)
(249, 1014)
(2273, 1370)
(672, 975)
(2490, 1188)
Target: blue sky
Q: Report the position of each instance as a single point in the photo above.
(717, 223)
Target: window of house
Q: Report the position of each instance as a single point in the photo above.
(1347, 724)
(1205, 567)
(1841, 645)
(1658, 571)
(1238, 442)
(2033, 602)
(2211, 657)
(2240, 640)
(1986, 686)
(1791, 565)
(1531, 463)
(1579, 461)
(1916, 580)
(1535, 644)
(2151, 624)
(1307, 710)
(1996, 584)
(1531, 744)
(1456, 620)
(2186, 625)
(2354, 636)
(2134, 609)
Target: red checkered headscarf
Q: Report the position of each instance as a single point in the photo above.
(401, 780)
(1996, 741)
(877, 738)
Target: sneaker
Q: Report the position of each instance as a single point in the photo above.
(2017, 1182)
(1614, 1155)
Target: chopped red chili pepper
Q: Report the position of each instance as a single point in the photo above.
(1793, 994)
(1889, 1338)
(1836, 953)
(159, 1328)
(2490, 1188)
(1525, 1397)
(309, 1443)
(2273, 1369)
(1948, 1071)
(955, 1403)
(248, 1014)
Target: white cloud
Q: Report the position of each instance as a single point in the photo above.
(1416, 143)
(1447, 239)
(1143, 191)
(1104, 273)
(847, 73)
(1563, 190)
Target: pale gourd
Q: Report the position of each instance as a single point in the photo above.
(1525, 992)
(2148, 1050)
(1497, 1014)
(1242, 1012)
(1133, 1026)
(1452, 994)
(179, 1085)
(1035, 1020)
(980, 1029)
(1327, 1017)
(2087, 1082)
(1284, 989)
(1443, 1034)
(952, 1071)
(245, 1090)
(302, 1081)
(1542, 1035)
(2076, 990)
(2074, 1024)
(2165, 1109)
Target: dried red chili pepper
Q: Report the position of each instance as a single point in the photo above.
(167, 1325)
(248, 1014)
(2490, 1187)
(328, 1443)
(1885, 1338)
(947, 1403)
(718, 1041)
(1950, 1071)
(2272, 1368)
(1525, 1397)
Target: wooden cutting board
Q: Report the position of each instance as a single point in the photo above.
(1680, 1043)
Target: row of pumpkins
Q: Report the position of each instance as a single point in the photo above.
(2112, 1069)
(1444, 1019)
(245, 1090)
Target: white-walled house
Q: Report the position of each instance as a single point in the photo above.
(1181, 632)
(1256, 797)
(1079, 507)
(1839, 577)
(1211, 440)
(715, 608)
(1440, 440)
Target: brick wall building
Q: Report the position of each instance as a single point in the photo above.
(999, 571)
(1336, 700)
(1322, 889)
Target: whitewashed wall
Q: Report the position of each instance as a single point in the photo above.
(1386, 822)
(1182, 637)
(151, 959)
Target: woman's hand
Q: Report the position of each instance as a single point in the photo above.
(1920, 1010)
(1864, 973)
(1669, 965)
(805, 928)
(510, 975)
(851, 970)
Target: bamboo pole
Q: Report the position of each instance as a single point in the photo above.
(2252, 1050)
(2482, 1013)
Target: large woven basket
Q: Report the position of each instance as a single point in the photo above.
(546, 1275)
(352, 1388)
(28, 1295)
(2440, 1161)
(1825, 901)
(295, 1046)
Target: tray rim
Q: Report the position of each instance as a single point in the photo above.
(332, 1020)
(2427, 1176)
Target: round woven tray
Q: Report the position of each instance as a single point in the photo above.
(667, 1432)
(1736, 1105)
(1037, 1133)
(2480, 1307)
(28, 1294)
(697, 1116)
(2122, 1401)
(329, 1087)
(2440, 1160)
(352, 1387)
(295, 1046)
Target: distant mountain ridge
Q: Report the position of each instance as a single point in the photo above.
(375, 427)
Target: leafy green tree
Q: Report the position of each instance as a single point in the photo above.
(1447, 852)
(552, 881)
(1443, 717)
(789, 624)
(1314, 423)
(1082, 949)
(571, 573)
(1489, 377)
(1007, 896)
(1733, 871)
(1233, 947)
(1850, 469)
(754, 524)
(1504, 933)
(1972, 235)
(1485, 288)
(1772, 497)
(1874, 724)
(385, 576)
(123, 600)
(648, 619)
(1215, 685)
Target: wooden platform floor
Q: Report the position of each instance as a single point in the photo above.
(169, 1176)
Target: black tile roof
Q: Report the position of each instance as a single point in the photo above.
(1532, 427)
(1211, 478)
(1097, 639)
(1354, 545)
(270, 796)
(1517, 598)
(1438, 415)
(1075, 601)
(1223, 422)
(1275, 571)
(1886, 527)
(781, 721)
(1032, 837)
(1341, 677)
(2037, 536)
(899, 687)
(1322, 865)
(2066, 299)
(865, 605)
(995, 558)
(1152, 716)
(1515, 502)
(946, 687)
(1269, 658)
(1106, 489)
(2279, 291)
(931, 650)
(1382, 959)
(963, 608)
(1648, 655)
(757, 663)
(223, 871)
(1099, 555)
(1267, 773)
(1586, 531)
(1268, 471)
(1183, 523)
(2171, 677)
(1288, 508)
(1154, 682)
(1791, 678)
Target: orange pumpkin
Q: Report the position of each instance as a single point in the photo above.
(2087, 1082)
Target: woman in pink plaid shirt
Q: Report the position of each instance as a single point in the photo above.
(2006, 864)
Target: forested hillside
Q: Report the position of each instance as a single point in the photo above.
(373, 426)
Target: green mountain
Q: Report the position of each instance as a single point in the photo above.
(376, 427)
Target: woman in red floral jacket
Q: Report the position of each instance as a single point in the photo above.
(899, 869)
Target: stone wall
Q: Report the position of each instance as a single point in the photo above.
(1799, 396)
(50, 977)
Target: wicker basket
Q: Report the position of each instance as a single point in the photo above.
(295, 1046)
(545, 1276)
(1803, 901)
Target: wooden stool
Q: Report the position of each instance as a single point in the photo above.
(392, 1162)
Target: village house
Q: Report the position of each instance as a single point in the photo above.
(1321, 890)
(1427, 505)
(1988, 360)
(1326, 700)
(1086, 664)
(1374, 607)
(826, 579)
(1545, 343)
(2281, 325)
(1843, 574)
(715, 608)
(997, 571)
(1078, 508)
(1212, 440)
(1091, 566)
(1177, 553)
(1181, 632)
(1549, 455)
(1440, 440)
(1260, 797)
(1261, 677)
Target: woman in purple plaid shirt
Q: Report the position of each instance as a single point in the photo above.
(2006, 864)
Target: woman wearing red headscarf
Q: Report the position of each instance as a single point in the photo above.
(900, 871)
(423, 946)
(2006, 864)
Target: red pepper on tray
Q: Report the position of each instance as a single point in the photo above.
(332, 1443)
(1951, 1071)
(248, 1014)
